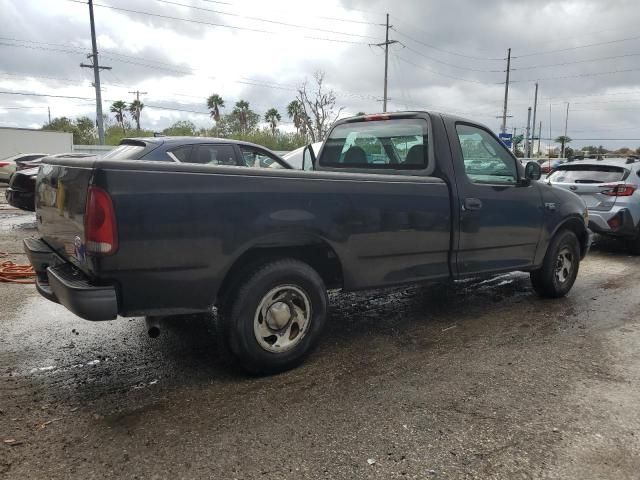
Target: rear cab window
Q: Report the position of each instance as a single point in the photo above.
(395, 144)
(588, 174)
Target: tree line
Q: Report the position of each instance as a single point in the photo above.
(311, 112)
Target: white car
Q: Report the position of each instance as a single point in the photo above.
(8, 165)
(294, 157)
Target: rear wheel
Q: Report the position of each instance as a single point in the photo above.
(559, 268)
(274, 318)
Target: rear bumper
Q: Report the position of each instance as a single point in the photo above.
(622, 221)
(62, 283)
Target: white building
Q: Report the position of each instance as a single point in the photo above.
(26, 140)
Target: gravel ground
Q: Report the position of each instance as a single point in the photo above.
(481, 379)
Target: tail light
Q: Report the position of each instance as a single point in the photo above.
(4, 164)
(100, 229)
(379, 116)
(619, 190)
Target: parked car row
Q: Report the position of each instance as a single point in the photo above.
(199, 150)
(10, 165)
(611, 191)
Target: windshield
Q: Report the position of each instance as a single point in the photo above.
(124, 152)
(588, 174)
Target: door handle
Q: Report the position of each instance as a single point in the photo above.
(472, 204)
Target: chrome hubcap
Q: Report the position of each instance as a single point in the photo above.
(564, 265)
(282, 318)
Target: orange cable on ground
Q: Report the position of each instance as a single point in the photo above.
(16, 273)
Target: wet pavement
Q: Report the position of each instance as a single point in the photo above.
(481, 379)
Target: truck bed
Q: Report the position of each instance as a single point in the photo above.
(182, 226)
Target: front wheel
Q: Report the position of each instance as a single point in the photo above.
(559, 268)
(274, 319)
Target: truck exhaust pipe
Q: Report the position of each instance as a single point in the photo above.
(153, 326)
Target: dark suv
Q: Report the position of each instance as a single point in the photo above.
(202, 150)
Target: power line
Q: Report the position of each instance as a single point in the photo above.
(212, 24)
(448, 52)
(562, 64)
(435, 72)
(629, 92)
(265, 20)
(577, 47)
(579, 75)
(320, 17)
(193, 72)
(417, 52)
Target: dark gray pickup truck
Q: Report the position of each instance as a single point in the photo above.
(391, 199)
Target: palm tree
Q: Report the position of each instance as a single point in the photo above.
(272, 117)
(119, 107)
(562, 140)
(295, 112)
(135, 108)
(241, 111)
(214, 104)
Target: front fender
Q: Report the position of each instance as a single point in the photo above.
(562, 210)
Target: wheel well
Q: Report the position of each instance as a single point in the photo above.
(320, 256)
(580, 230)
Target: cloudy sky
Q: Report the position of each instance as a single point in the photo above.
(450, 57)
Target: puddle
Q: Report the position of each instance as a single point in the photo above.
(20, 221)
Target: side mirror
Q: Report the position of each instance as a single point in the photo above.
(532, 171)
(308, 158)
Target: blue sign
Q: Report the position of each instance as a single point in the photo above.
(507, 139)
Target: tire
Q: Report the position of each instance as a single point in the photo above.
(273, 319)
(553, 279)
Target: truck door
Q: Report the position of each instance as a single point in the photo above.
(500, 213)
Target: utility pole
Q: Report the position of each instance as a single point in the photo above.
(513, 140)
(550, 139)
(96, 74)
(527, 145)
(539, 136)
(533, 123)
(506, 94)
(49, 111)
(566, 121)
(386, 44)
(137, 94)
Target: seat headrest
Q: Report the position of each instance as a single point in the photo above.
(355, 156)
(415, 156)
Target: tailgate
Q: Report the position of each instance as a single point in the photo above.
(61, 197)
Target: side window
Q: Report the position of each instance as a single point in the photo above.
(180, 154)
(256, 158)
(213, 155)
(395, 144)
(485, 159)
